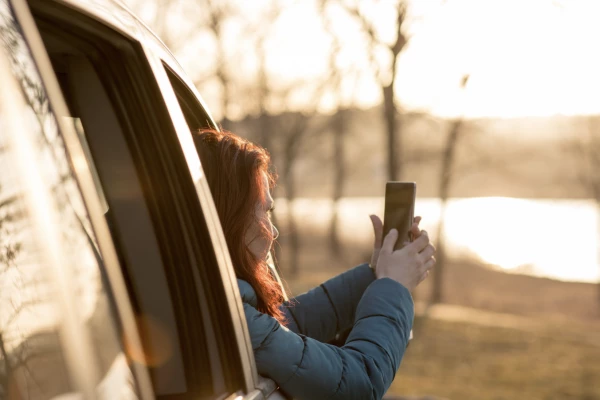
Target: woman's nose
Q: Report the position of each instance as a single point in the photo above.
(275, 232)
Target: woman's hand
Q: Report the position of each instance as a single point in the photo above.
(408, 266)
(378, 230)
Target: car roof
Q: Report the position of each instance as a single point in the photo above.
(116, 15)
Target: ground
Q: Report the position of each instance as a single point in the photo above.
(468, 360)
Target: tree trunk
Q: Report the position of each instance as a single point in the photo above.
(264, 138)
(393, 147)
(294, 240)
(440, 256)
(224, 80)
(339, 180)
(264, 127)
(437, 293)
(7, 373)
(394, 135)
(598, 246)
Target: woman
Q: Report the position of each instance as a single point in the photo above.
(289, 339)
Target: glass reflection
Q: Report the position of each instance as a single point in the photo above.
(33, 364)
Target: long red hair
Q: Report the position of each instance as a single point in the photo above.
(233, 167)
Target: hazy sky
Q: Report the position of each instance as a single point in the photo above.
(525, 57)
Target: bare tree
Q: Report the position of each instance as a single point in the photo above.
(295, 131)
(446, 175)
(386, 77)
(586, 148)
(292, 127)
(340, 123)
(340, 127)
(217, 13)
(263, 92)
(286, 133)
(210, 18)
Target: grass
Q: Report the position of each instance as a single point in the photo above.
(461, 360)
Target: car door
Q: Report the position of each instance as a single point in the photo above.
(65, 320)
(156, 203)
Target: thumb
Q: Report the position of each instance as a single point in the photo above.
(377, 230)
(390, 241)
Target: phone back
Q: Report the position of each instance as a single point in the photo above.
(399, 209)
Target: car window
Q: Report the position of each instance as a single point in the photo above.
(55, 307)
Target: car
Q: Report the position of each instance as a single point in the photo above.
(115, 279)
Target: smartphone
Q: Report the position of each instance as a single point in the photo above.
(399, 213)
(399, 210)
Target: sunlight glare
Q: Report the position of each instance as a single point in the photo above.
(552, 239)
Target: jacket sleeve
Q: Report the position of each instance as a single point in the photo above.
(363, 368)
(326, 310)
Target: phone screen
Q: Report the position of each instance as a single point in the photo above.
(399, 209)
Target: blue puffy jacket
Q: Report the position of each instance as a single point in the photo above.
(297, 358)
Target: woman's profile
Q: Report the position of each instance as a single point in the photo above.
(290, 339)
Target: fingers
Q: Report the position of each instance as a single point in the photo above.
(427, 252)
(390, 241)
(430, 263)
(377, 230)
(414, 232)
(424, 276)
(420, 243)
(427, 269)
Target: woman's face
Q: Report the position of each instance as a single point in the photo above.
(258, 245)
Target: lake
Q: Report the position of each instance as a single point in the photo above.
(552, 238)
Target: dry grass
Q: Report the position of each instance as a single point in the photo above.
(458, 360)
